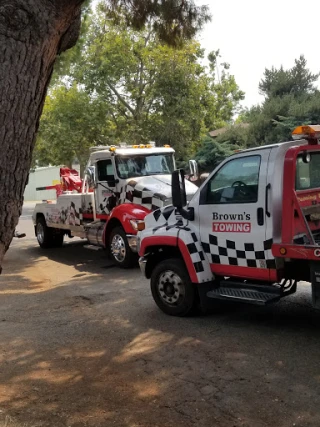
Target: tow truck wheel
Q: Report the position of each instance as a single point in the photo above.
(172, 289)
(47, 237)
(119, 249)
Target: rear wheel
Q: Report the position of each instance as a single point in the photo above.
(172, 289)
(119, 249)
(48, 237)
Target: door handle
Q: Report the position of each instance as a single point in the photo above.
(260, 216)
(268, 187)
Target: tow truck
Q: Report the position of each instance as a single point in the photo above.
(121, 185)
(250, 233)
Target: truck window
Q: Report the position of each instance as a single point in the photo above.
(236, 182)
(151, 164)
(308, 174)
(105, 170)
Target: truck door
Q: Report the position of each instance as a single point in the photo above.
(232, 217)
(106, 198)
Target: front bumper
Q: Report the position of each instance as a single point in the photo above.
(132, 242)
(142, 265)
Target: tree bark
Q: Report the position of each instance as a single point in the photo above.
(32, 34)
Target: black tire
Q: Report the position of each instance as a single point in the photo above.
(48, 237)
(181, 302)
(119, 249)
(58, 237)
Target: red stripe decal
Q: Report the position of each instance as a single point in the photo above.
(245, 272)
(157, 241)
(102, 216)
(99, 216)
(187, 259)
(171, 241)
(87, 216)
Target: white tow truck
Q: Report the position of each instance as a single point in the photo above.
(122, 184)
(250, 233)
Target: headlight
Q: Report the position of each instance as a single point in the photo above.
(137, 224)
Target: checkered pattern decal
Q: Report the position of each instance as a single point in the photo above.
(196, 253)
(229, 252)
(164, 217)
(166, 222)
(134, 192)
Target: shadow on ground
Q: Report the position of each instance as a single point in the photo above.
(94, 351)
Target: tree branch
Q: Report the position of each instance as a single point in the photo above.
(121, 99)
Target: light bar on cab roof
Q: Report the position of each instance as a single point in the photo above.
(307, 132)
(112, 148)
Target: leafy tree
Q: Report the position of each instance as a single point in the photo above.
(32, 34)
(143, 81)
(151, 91)
(71, 123)
(212, 152)
(291, 99)
(296, 81)
(227, 94)
(173, 21)
(65, 61)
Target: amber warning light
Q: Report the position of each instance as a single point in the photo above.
(311, 132)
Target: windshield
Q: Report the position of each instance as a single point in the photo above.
(308, 174)
(153, 164)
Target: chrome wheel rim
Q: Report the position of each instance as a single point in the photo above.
(40, 232)
(118, 248)
(171, 288)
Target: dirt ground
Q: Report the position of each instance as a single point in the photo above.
(83, 344)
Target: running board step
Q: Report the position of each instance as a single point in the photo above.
(243, 295)
(253, 294)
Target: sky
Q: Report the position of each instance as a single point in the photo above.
(253, 35)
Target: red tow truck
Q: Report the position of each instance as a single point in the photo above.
(250, 233)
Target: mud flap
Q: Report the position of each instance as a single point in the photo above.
(203, 289)
(315, 283)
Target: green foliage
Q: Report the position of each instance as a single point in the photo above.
(226, 92)
(291, 99)
(146, 89)
(68, 59)
(214, 151)
(172, 21)
(71, 123)
(296, 81)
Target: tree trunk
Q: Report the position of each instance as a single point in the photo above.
(32, 33)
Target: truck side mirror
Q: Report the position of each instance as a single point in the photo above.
(306, 157)
(179, 196)
(194, 170)
(91, 176)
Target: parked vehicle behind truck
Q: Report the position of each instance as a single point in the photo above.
(122, 184)
(249, 234)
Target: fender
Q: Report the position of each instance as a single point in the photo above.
(171, 241)
(125, 212)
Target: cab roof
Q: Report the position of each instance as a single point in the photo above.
(302, 135)
(279, 144)
(118, 151)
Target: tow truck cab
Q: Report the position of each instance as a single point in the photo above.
(250, 233)
(122, 184)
